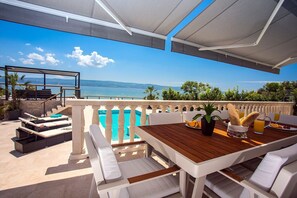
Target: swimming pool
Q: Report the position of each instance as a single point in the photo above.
(115, 124)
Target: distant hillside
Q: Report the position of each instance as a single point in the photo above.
(96, 83)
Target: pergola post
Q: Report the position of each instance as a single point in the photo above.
(44, 81)
(6, 83)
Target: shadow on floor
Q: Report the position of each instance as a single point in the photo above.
(64, 188)
(72, 165)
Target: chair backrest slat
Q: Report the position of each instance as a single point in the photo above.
(165, 118)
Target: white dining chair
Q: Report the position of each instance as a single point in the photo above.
(164, 118)
(285, 119)
(223, 114)
(188, 115)
(276, 176)
(142, 177)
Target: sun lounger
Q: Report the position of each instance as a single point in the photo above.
(46, 119)
(33, 140)
(44, 126)
(48, 133)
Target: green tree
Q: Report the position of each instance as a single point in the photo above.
(151, 93)
(212, 94)
(171, 94)
(232, 94)
(192, 89)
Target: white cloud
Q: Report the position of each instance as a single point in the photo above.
(36, 56)
(51, 59)
(94, 59)
(11, 59)
(28, 44)
(39, 49)
(21, 53)
(27, 61)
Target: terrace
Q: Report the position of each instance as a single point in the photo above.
(69, 173)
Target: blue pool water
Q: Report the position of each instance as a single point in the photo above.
(115, 125)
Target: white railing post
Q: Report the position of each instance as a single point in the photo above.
(108, 131)
(143, 115)
(154, 108)
(95, 117)
(121, 124)
(132, 123)
(78, 127)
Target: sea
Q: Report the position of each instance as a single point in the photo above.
(95, 88)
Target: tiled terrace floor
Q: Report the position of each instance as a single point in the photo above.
(44, 173)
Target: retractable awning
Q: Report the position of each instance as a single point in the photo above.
(145, 23)
(239, 32)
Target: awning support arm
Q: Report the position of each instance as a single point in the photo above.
(284, 61)
(113, 15)
(276, 9)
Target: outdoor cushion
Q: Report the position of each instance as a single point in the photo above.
(270, 166)
(108, 160)
(48, 133)
(162, 186)
(225, 187)
(165, 118)
(98, 137)
(109, 164)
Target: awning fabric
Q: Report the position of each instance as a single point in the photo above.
(153, 16)
(229, 22)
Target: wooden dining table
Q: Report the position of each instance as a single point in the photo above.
(200, 155)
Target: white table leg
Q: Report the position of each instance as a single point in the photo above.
(198, 187)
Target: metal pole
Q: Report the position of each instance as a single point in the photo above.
(78, 86)
(61, 94)
(44, 81)
(64, 98)
(6, 83)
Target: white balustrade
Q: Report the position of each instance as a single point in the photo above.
(121, 124)
(108, 124)
(78, 122)
(132, 122)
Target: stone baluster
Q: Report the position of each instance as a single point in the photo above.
(132, 123)
(121, 124)
(78, 128)
(163, 108)
(143, 115)
(219, 107)
(188, 107)
(180, 108)
(95, 118)
(172, 108)
(154, 108)
(108, 132)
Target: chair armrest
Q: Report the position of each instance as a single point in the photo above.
(116, 185)
(154, 175)
(128, 144)
(253, 189)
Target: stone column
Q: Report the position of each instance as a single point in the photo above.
(108, 132)
(121, 124)
(163, 108)
(154, 108)
(143, 115)
(78, 126)
(132, 123)
(95, 117)
(172, 108)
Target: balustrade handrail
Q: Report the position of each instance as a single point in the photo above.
(79, 121)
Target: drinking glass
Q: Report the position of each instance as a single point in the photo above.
(259, 123)
(276, 117)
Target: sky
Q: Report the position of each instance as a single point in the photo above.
(101, 59)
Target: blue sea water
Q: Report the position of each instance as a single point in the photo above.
(115, 125)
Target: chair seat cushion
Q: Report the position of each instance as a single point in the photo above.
(160, 187)
(225, 187)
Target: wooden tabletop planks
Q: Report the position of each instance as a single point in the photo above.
(197, 147)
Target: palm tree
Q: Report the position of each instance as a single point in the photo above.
(152, 93)
(13, 80)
